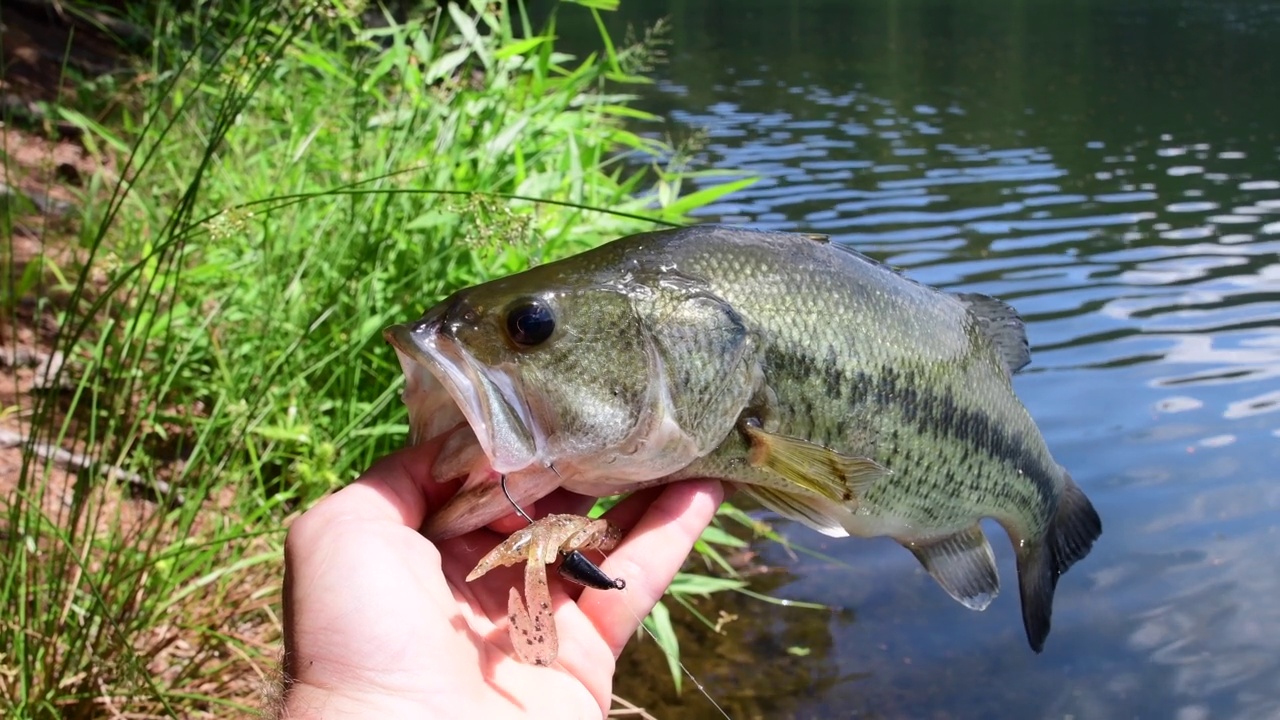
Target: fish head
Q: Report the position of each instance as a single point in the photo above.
(550, 373)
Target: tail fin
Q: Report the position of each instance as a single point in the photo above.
(1075, 526)
(1070, 537)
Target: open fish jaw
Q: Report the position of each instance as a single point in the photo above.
(432, 408)
(445, 386)
(446, 391)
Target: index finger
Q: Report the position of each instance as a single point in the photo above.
(649, 557)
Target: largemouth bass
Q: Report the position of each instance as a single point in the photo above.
(828, 387)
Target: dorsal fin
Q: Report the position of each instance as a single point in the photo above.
(1001, 324)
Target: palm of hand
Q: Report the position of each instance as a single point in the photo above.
(380, 620)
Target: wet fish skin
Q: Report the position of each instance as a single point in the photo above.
(828, 386)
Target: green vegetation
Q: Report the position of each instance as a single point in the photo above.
(290, 181)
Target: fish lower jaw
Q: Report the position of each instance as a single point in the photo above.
(482, 500)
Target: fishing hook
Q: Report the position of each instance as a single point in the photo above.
(519, 510)
(575, 567)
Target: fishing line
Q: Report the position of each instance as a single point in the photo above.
(696, 682)
(640, 624)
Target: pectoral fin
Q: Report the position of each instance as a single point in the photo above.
(963, 564)
(818, 513)
(817, 469)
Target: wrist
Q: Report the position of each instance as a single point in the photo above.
(308, 702)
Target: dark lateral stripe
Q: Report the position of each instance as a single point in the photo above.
(940, 413)
(931, 413)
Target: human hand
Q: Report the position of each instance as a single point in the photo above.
(379, 621)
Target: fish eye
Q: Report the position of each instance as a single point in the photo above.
(530, 322)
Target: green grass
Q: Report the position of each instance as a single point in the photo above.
(287, 183)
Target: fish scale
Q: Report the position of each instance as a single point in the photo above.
(797, 370)
(829, 387)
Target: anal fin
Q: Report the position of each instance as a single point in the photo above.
(963, 564)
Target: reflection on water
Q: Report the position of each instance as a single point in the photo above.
(1111, 168)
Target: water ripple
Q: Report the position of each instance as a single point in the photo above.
(1135, 223)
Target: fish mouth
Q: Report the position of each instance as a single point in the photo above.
(445, 384)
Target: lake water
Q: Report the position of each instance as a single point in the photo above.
(1112, 169)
